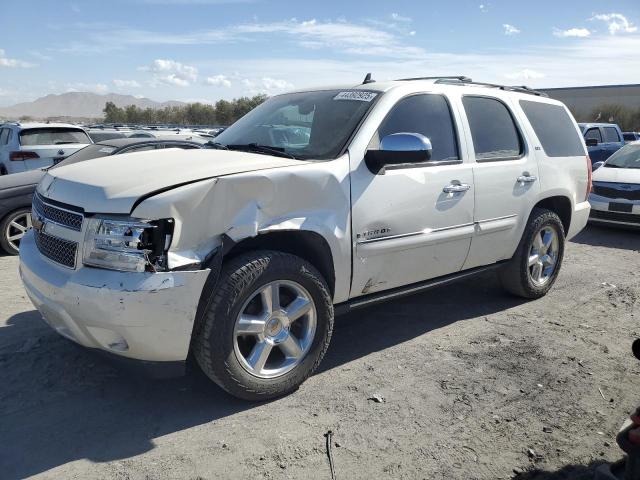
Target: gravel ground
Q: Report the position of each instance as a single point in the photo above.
(471, 384)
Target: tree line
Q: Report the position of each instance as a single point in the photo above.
(223, 112)
(626, 117)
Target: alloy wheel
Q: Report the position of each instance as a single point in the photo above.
(543, 255)
(16, 229)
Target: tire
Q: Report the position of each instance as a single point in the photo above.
(226, 356)
(12, 226)
(518, 276)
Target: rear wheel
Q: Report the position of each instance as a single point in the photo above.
(13, 227)
(536, 264)
(267, 326)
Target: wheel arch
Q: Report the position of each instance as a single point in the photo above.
(306, 244)
(561, 206)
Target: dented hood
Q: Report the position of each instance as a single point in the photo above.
(112, 184)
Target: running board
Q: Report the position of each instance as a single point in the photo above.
(394, 293)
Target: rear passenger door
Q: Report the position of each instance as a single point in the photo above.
(611, 141)
(505, 176)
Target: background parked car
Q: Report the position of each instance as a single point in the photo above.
(602, 139)
(631, 136)
(16, 191)
(27, 146)
(615, 198)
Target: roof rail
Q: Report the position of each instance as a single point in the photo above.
(509, 88)
(459, 78)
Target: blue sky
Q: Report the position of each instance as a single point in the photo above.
(204, 50)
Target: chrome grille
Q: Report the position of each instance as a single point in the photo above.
(57, 215)
(627, 191)
(59, 250)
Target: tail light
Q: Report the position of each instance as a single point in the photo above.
(589, 178)
(17, 156)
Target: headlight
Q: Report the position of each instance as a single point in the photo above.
(131, 245)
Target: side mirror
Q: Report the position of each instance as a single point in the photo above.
(592, 142)
(596, 166)
(399, 149)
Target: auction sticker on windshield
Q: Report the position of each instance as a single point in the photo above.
(356, 95)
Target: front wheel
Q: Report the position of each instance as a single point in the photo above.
(12, 228)
(267, 326)
(536, 264)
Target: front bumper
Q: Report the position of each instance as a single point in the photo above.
(600, 213)
(143, 316)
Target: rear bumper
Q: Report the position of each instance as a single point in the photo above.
(141, 316)
(579, 219)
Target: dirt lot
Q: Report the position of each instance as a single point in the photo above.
(471, 378)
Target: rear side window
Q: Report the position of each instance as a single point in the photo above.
(593, 133)
(611, 134)
(52, 136)
(428, 115)
(4, 135)
(554, 128)
(494, 133)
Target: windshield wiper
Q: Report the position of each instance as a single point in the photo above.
(612, 165)
(216, 145)
(256, 147)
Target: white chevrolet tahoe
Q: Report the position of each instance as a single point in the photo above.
(315, 203)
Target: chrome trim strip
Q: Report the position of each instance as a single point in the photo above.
(390, 237)
(497, 218)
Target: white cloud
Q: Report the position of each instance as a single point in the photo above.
(87, 87)
(12, 62)
(616, 22)
(525, 74)
(266, 85)
(218, 81)
(572, 32)
(510, 29)
(400, 18)
(484, 8)
(171, 72)
(126, 83)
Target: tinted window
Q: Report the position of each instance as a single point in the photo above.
(139, 148)
(494, 134)
(102, 136)
(4, 133)
(428, 115)
(611, 134)
(593, 133)
(53, 136)
(184, 146)
(87, 153)
(555, 129)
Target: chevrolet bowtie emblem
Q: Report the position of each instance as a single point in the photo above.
(37, 221)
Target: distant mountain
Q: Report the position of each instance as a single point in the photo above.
(76, 105)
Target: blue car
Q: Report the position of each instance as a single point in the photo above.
(602, 139)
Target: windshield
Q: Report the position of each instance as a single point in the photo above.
(626, 157)
(53, 136)
(303, 125)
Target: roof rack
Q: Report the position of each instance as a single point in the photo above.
(462, 80)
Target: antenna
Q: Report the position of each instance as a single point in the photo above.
(368, 79)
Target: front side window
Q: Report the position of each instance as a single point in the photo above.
(611, 135)
(428, 115)
(307, 125)
(493, 130)
(593, 134)
(53, 136)
(554, 128)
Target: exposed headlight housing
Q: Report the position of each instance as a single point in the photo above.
(130, 244)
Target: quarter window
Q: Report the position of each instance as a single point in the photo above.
(611, 134)
(428, 115)
(554, 128)
(593, 133)
(494, 133)
(4, 135)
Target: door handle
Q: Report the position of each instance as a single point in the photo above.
(456, 187)
(526, 178)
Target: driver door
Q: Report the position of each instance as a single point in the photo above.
(405, 227)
